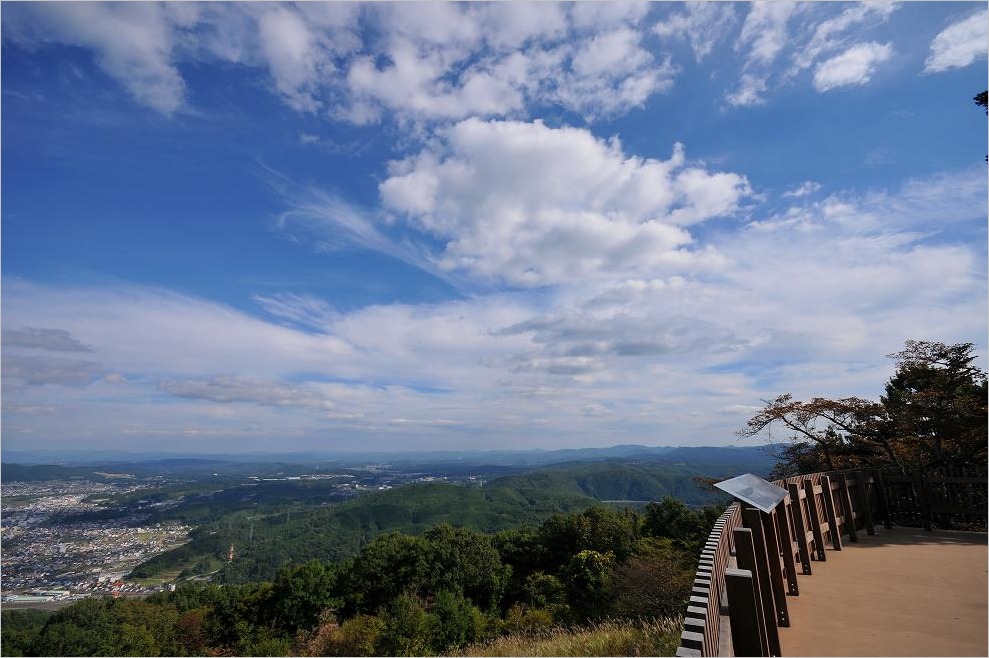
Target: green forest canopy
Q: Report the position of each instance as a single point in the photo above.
(405, 595)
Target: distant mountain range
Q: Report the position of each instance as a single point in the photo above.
(166, 462)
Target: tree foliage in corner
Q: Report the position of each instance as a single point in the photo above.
(936, 405)
(932, 415)
(982, 100)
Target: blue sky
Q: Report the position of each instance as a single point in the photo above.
(414, 226)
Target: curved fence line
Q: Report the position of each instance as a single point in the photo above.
(751, 560)
(702, 621)
(748, 548)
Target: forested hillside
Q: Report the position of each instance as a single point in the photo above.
(42, 472)
(411, 595)
(266, 536)
(622, 480)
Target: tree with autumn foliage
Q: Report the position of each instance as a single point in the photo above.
(932, 415)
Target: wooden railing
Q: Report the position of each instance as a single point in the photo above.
(750, 562)
(702, 621)
(953, 498)
(747, 548)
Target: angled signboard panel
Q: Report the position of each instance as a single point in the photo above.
(753, 490)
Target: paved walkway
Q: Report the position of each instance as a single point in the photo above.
(901, 592)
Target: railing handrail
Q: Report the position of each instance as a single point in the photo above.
(702, 622)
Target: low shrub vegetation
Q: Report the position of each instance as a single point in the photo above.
(658, 637)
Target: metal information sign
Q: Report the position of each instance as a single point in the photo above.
(753, 490)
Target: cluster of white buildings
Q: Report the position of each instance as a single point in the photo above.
(44, 559)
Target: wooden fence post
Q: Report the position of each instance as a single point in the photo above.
(815, 520)
(745, 555)
(925, 504)
(966, 491)
(799, 529)
(880, 483)
(833, 528)
(863, 496)
(786, 545)
(846, 501)
(743, 603)
(768, 564)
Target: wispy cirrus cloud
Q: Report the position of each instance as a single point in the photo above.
(763, 36)
(960, 44)
(331, 223)
(764, 33)
(702, 24)
(749, 91)
(782, 40)
(158, 332)
(225, 389)
(855, 66)
(804, 189)
(834, 34)
(304, 310)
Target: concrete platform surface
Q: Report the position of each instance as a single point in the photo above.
(901, 592)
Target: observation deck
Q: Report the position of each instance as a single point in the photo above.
(819, 576)
(900, 592)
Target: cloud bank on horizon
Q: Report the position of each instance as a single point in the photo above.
(414, 226)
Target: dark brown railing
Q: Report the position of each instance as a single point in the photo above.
(750, 562)
(953, 498)
(702, 622)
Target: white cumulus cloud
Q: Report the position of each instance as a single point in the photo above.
(363, 63)
(534, 205)
(288, 46)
